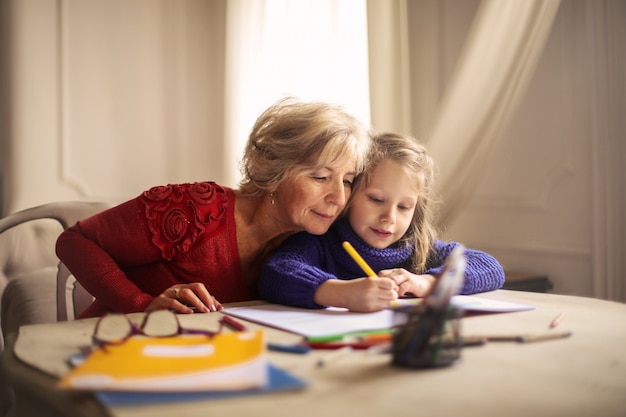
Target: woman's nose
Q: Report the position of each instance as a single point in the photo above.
(338, 194)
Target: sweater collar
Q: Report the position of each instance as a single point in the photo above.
(393, 256)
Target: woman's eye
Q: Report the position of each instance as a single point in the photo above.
(347, 183)
(320, 179)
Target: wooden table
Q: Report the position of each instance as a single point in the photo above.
(583, 375)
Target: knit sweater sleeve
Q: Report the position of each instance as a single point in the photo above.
(293, 273)
(158, 226)
(482, 272)
(97, 248)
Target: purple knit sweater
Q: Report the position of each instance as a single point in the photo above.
(304, 261)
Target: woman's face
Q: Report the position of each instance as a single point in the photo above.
(313, 200)
(382, 211)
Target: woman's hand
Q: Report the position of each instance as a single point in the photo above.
(184, 298)
(409, 283)
(363, 295)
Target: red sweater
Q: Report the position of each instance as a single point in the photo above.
(173, 234)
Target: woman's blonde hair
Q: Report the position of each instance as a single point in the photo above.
(292, 136)
(409, 153)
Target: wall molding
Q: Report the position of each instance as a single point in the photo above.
(544, 250)
(605, 34)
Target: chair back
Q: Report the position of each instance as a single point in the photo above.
(71, 297)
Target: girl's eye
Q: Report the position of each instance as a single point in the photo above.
(375, 200)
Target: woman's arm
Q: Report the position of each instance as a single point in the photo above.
(97, 249)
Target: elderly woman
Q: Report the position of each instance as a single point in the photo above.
(194, 246)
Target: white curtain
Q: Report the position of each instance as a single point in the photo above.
(390, 79)
(313, 49)
(498, 60)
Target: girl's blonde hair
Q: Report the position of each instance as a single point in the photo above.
(409, 153)
(292, 136)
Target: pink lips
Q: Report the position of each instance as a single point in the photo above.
(381, 233)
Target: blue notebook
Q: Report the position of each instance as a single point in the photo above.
(278, 380)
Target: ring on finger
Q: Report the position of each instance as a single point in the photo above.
(176, 291)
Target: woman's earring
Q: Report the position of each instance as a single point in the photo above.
(272, 198)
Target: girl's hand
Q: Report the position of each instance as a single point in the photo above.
(363, 295)
(184, 298)
(409, 283)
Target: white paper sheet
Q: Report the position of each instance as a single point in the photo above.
(312, 323)
(331, 321)
(475, 304)
(485, 305)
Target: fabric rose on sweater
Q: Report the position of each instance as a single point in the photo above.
(174, 219)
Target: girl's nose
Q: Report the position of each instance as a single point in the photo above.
(388, 216)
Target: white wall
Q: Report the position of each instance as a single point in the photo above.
(104, 99)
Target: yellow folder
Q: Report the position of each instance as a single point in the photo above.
(224, 362)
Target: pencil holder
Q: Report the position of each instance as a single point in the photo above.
(426, 338)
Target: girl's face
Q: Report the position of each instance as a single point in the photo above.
(381, 212)
(313, 200)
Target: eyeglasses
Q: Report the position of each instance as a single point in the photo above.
(114, 328)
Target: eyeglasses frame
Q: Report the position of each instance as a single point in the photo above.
(135, 330)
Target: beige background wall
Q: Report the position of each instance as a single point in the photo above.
(105, 98)
(552, 199)
(90, 115)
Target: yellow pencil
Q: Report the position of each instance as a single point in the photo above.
(357, 258)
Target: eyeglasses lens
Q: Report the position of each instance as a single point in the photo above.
(113, 328)
(161, 323)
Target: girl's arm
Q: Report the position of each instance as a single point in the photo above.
(482, 272)
(293, 273)
(301, 274)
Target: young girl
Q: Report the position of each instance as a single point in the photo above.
(389, 222)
